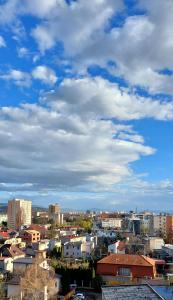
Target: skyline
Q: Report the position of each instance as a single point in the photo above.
(86, 103)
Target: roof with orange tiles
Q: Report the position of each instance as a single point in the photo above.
(127, 259)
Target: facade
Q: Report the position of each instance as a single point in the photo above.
(78, 249)
(111, 223)
(6, 264)
(118, 247)
(31, 236)
(54, 209)
(55, 214)
(159, 225)
(3, 218)
(125, 268)
(169, 229)
(153, 243)
(19, 213)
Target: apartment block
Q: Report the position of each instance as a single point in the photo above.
(19, 213)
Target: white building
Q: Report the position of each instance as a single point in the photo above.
(6, 264)
(154, 243)
(19, 213)
(78, 249)
(111, 223)
(117, 247)
(3, 218)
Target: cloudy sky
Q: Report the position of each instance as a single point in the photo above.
(86, 103)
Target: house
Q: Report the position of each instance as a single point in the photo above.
(30, 236)
(6, 264)
(111, 223)
(41, 228)
(16, 241)
(8, 250)
(152, 243)
(78, 249)
(32, 276)
(125, 268)
(117, 247)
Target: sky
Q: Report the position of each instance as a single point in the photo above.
(86, 103)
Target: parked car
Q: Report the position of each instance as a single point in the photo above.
(79, 296)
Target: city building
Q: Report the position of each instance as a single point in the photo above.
(153, 243)
(53, 209)
(3, 218)
(117, 247)
(111, 223)
(125, 268)
(19, 213)
(159, 225)
(55, 214)
(30, 236)
(169, 229)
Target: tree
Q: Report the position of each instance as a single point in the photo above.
(97, 283)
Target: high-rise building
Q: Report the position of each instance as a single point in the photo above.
(54, 209)
(159, 225)
(19, 213)
(55, 214)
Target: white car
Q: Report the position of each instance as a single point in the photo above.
(79, 296)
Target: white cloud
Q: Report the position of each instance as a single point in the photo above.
(96, 97)
(22, 52)
(45, 74)
(75, 24)
(140, 48)
(19, 78)
(2, 42)
(52, 148)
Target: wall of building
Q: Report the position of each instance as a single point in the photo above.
(136, 271)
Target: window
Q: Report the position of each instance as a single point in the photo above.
(124, 271)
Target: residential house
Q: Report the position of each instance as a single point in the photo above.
(30, 236)
(8, 250)
(124, 268)
(117, 247)
(6, 264)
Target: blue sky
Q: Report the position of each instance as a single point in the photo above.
(86, 103)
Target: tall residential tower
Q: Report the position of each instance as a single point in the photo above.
(19, 213)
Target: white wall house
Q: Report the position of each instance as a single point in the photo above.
(111, 223)
(78, 249)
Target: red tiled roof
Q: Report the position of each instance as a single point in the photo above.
(127, 259)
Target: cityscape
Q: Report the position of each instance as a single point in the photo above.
(86, 149)
(55, 254)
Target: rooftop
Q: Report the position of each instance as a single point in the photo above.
(127, 259)
(137, 292)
